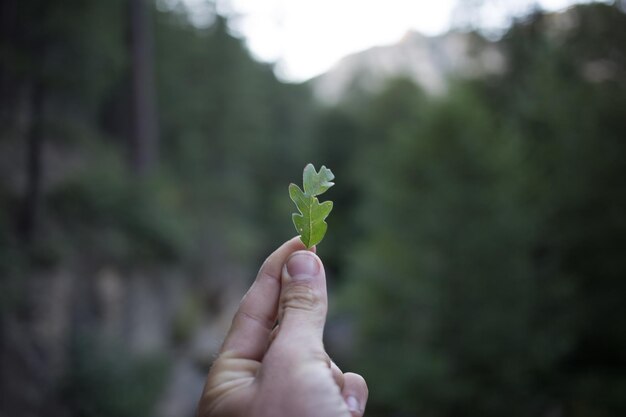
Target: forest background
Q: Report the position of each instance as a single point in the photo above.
(476, 253)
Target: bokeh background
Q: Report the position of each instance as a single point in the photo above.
(476, 253)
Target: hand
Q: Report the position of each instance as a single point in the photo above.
(282, 371)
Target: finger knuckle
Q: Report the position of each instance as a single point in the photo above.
(301, 297)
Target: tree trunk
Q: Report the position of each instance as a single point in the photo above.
(144, 133)
(10, 42)
(34, 161)
(34, 134)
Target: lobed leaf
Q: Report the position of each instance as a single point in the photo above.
(310, 221)
(316, 183)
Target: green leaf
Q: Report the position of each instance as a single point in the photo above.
(310, 221)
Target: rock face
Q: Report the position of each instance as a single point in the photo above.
(428, 61)
(32, 345)
(141, 313)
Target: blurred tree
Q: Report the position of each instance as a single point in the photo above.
(489, 273)
(38, 42)
(568, 92)
(30, 76)
(236, 126)
(444, 229)
(144, 140)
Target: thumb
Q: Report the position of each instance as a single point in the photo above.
(303, 300)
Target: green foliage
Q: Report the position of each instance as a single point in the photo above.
(489, 283)
(187, 319)
(237, 124)
(108, 381)
(136, 219)
(310, 223)
(446, 234)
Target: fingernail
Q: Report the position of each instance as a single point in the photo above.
(302, 265)
(353, 403)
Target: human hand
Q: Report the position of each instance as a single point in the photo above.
(283, 371)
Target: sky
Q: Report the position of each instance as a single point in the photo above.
(305, 38)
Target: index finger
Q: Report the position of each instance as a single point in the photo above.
(253, 322)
